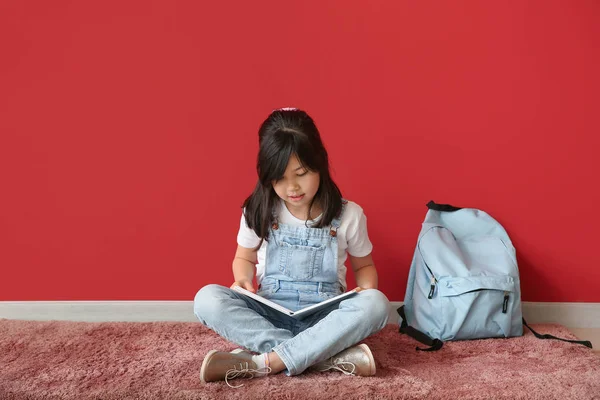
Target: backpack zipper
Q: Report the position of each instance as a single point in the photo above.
(432, 287)
(433, 282)
(505, 303)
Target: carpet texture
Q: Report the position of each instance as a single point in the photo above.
(161, 360)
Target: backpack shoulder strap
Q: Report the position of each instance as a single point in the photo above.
(586, 343)
(434, 344)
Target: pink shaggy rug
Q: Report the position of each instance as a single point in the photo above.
(161, 360)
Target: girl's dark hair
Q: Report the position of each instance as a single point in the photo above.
(284, 133)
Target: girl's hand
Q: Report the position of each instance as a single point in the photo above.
(244, 284)
(360, 289)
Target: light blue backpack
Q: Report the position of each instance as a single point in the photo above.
(464, 280)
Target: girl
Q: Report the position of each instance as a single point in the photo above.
(295, 234)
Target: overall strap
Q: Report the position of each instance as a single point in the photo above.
(274, 211)
(337, 221)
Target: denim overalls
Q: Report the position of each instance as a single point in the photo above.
(301, 265)
(300, 270)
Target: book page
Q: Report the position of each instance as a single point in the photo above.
(263, 300)
(324, 304)
(295, 314)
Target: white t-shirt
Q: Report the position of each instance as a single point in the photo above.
(352, 237)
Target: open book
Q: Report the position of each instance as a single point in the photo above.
(300, 314)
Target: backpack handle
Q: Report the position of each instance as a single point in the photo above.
(432, 205)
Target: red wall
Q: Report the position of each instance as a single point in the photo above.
(128, 133)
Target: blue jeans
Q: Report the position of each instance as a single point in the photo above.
(299, 343)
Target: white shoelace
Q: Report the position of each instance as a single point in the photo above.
(340, 366)
(243, 372)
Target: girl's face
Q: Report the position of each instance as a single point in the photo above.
(297, 188)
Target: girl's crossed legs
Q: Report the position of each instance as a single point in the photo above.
(298, 343)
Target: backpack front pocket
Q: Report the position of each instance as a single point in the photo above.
(477, 306)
